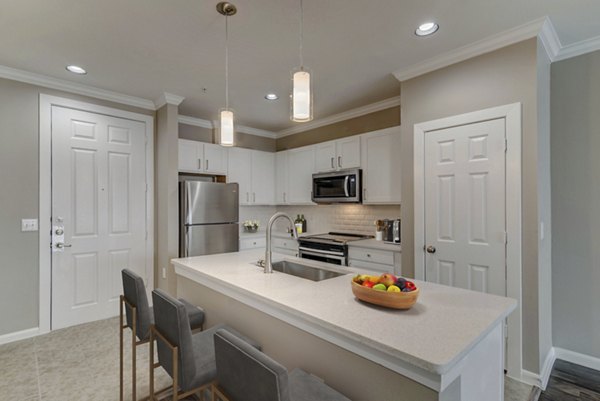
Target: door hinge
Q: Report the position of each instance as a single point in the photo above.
(505, 238)
(505, 144)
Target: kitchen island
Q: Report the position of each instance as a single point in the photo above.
(449, 346)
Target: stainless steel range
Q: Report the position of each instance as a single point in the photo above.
(330, 248)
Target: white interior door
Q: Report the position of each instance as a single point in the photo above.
(99, 201)
(465, 206)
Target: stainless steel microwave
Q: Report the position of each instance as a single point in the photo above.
(337, 187)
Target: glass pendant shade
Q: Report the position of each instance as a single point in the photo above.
(301, 110)
(226, 127)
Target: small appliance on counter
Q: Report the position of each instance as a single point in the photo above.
(391, 231)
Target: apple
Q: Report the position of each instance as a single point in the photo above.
(369, 284)
(374, 279)
(393, 288)
(380, 287)
(387, 279)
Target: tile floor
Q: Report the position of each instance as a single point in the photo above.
(81, 363)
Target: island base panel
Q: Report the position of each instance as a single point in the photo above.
(352, 375)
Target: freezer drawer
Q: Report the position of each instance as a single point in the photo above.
(209, 239)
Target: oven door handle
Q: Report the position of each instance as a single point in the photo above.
(310, 251)
(346, 182)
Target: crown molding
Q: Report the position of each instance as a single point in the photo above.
(346, 115)
(168, 98)
(255, 131)
(550, 40)
(494, 42)
(73, 87)
(578, 49)
(197, 122)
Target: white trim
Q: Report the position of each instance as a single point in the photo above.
(491, 43)
(346, 115)
(255, 131)
(512, 115)
(19, 335)
(542, 379)
(527, 377)
(45, 197)
(196, 122)
(73, 87)
(578, 49)
(550, 39)
(168, 98)
(587, 361)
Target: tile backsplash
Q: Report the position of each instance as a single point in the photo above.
(324, 218)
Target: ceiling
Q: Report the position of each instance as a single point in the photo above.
(146, 47)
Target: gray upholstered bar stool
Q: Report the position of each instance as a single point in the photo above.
(140, 318)
(245, 373)
(188, 358)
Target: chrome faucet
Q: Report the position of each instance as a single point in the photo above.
(268, 265)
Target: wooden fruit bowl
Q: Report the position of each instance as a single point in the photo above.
(395, 300)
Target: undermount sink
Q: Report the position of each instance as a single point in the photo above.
(304, 271)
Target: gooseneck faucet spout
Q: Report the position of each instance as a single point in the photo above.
(268, 265)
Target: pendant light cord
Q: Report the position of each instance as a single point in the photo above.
(301, 34)
(227, 62)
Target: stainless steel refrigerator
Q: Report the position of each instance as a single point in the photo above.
(209, 214)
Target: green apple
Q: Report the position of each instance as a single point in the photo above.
(380, 287)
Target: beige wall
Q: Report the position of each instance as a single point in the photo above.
(504, 76)
(242, 140)
(576, 204)
(19, 139)
(354, 126)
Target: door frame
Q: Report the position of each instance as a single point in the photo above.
(45, 195)
(511, 113)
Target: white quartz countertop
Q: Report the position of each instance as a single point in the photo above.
(433, 335)
(374, 244)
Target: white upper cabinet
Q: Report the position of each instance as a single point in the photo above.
(301, 166)
(200, 157)
(381, 166)
(338, 155)
(281, 178)
(254, 171)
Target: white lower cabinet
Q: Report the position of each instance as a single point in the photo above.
(254, 171)
(253, 243)
(285, 246)
(375, 259)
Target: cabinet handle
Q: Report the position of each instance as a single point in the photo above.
(206, 164)
(332, 166)
(365, 194)
(339, 161)
(284, 197)
(199, 164)
(253, 197)
(247, 197)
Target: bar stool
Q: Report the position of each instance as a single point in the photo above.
(188, 358)
(140, 317)
(245, 373)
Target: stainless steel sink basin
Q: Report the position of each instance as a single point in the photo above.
(304, 271)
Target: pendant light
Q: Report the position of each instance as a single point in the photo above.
(226, 120)
(301, 106)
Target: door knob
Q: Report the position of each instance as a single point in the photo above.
(430, 249)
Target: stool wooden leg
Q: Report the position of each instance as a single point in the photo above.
(121, 349)
(133, 354)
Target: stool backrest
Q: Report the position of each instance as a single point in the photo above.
(134, 291)
(245, 373)
(171, 320)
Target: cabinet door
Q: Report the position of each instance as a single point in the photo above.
(215, 159)
(189, 158)
(325, 156)
(301, 165)
(348, 152)
(240, 171)
(381, 167)
(263, 178)
(281, 177)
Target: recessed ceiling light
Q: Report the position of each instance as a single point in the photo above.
(76, 69)
(427, 28)
(271, 96)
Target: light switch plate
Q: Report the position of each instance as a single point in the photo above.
(29, 224)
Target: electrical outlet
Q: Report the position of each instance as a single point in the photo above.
(29, 225)
(164, 273)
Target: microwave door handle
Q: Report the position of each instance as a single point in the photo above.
(346, 182)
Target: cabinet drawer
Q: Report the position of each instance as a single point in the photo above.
(287, 243)
(371, 255)
(252, 243)
(375, 267)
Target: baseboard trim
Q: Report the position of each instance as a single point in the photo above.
(540, 380)
(577, 358)
(19, 335)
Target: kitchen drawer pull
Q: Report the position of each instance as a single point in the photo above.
(199, 164)
(339, 161)
(247, 197)
(332, 166)
(207, 164)
(253, 197)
